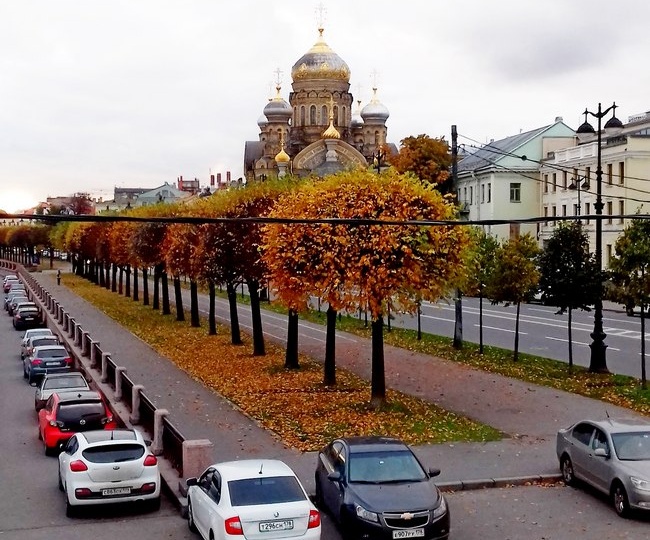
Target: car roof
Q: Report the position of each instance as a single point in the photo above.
(43, 336)
(621, 425)
(41, 348)
(110, 435)
(31, 332)
(250, 468)
(67, 375)
(79, 395)
(372, 443)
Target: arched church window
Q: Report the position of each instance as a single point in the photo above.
(336, 115)
(324, 116)
(344, 115)
(302, 115)
(312, 115)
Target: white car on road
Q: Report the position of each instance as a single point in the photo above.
(251, 498)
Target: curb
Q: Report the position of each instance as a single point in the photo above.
(466, 485)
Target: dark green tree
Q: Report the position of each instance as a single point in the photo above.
(570, 275)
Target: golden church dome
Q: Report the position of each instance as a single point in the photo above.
(282, 157)
(331, 132)
(320, 62)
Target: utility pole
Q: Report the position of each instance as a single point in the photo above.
(458, 301)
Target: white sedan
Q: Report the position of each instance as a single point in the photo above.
(253, 498)
(108, 466)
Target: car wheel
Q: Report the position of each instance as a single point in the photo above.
(40, 437)
(70, 511)
(24, 372)
(566, 466)
(190, 516)
(620, 500)
(60, 482)
(347, 527)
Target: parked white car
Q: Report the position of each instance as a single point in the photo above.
(31, 332)
(256, 498)
(107, 467)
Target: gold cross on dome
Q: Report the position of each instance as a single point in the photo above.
(321, 12)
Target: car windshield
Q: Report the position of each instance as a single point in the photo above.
(72, 412)
(632, 446)
(64, 382)
(271, 490)
(51, 353)
(44, 340)
(379, 467)
(114, 453)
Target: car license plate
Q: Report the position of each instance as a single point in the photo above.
(408, 533)
(116, 491)
(48, 364)
(269, 526)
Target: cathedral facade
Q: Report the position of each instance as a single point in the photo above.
(317, 132)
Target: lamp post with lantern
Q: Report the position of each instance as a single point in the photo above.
(598, 360)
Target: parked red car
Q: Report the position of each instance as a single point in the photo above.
(67, 413)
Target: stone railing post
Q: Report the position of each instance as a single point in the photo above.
(119, 371)
(84, 343)
(197, 456)
(93, 353)
(135, 403)
(157, 444)
(105, 357)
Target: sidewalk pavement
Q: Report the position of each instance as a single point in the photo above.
(527, 414)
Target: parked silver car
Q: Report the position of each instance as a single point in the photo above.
(611, 455)
(58, 382)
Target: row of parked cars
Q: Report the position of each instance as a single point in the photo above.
(98, 462)
(24, 313)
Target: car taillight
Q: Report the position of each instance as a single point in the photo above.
(68, 361)
(150, 461)
(148, 488)
(37, 362)
(80, 493)
(233, 526)
(78, 466)
(107, 420)
(314, 519)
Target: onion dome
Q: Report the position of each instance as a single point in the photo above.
(278, 110)
(262, 121)
(356, 116)
(331, 132)
(282, 157)
(320, 62)
(375, 110)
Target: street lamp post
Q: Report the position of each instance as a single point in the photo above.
(598, 361)
(579, 185)
(377, 158)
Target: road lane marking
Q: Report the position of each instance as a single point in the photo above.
(579, 343)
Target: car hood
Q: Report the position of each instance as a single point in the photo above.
(396, 497)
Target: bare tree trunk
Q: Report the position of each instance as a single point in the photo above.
(145, 286)
(291, 358)
(212, 318)
(256, 317)
(235, 334)
(136, 292)
(378, 376)
(178, 299)
(329, 371)
(515, 356)
(195, 320)
(166, 308)
(570, 329)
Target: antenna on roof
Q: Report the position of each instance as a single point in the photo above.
(261, 467)
(608, 417)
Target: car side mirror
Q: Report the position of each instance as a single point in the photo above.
(433, 472)
(334, 476)
(601, 452)
(147, 442)
(192, 481)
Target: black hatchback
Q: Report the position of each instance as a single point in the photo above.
(376, 488)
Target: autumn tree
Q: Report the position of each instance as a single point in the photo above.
(480, 263)
(364, 262)
(630, 268)
(569, 275)
(515, 276)
(427, 158)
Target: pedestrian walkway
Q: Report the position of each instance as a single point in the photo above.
(527, 414)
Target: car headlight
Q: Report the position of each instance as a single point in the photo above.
(366, 515)
(640, 483)
(442, 508)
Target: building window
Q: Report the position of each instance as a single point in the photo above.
(471, 194)
(609, 212)
(546, 183)
(464, 195)
(554, 182)
(610, 174)
(515, 192)
(621, 211)
(482, 193)
(554, 208)
(576, 209)
(324, 119)
(588, 174)
(608, 251)
(302, 116)
(564, 210)
(546, 215)
(565, 179)
(621, 172)
(489, 198)
(587, 210)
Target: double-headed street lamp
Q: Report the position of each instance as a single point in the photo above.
(598, 362)
(579, 184)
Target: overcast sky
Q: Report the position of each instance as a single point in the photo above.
(96, 94)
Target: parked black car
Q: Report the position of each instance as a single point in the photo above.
(27, 317)
(375, 487)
